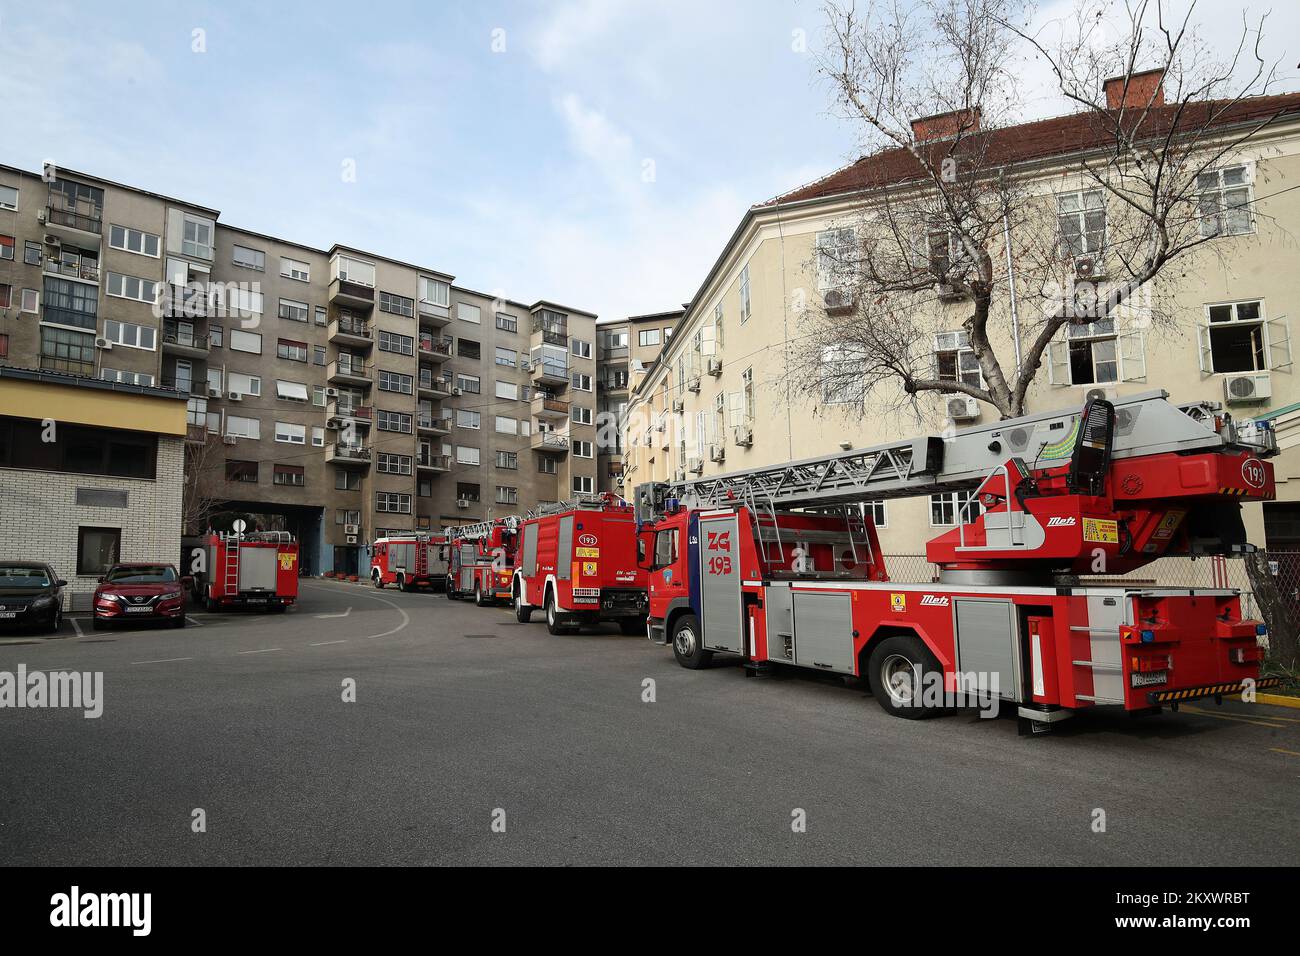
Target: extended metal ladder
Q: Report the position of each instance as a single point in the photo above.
(584, 499)
(230, 576)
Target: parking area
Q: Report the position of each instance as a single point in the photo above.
(592, 747)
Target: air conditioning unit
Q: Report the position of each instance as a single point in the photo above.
(352, 529)
(333, 423)
(229, 440)
(353, 539)
(717, 453)
(234, 396)
(103, 344)
(40, 216)
(963, 408)
(462, 502)
(695, 466)
(693, 384)
(836, 300)
(679, 405)
(52, 240)
(714, 366)
(744, 436)
(214, 392)
(948, 292)
(1241, 389)
(1101, 393)
(331, 393)
(456, 391)
(1088, 268)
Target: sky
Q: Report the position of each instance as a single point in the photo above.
(598, 153)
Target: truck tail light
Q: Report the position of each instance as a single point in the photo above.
(1245, 655)
(1145, 664)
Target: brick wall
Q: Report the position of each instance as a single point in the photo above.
(39, 517)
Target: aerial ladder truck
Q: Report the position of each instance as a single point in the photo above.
(481, 560)
(782, 565)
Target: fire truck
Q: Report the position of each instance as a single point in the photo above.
(480, 560)
(409, 561)
(578, 561)
(782, 565)
(254, 569)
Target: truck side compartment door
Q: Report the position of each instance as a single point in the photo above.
(717, 550)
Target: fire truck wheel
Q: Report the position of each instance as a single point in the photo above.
(209, 603)
(478, 596)
(377, 581)
(897, 671)
(523, 612)
(403, 584)
(688, 650)
(631, 626)
(553, 624)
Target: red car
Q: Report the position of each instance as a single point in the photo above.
(140, 592)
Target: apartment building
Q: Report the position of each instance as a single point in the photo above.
(624, 349)
(337, 393)
(720, 398)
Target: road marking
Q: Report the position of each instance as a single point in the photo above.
(406, 618)
(1244, 720)
(76, 626)
(344, 614)
(194, 623)
(165, 660)
(326, 643)
(1279, 750)
(261, 650)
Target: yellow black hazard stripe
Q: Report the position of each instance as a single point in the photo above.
(1191, 693)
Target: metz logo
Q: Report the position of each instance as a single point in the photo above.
(1060, 522)
(934, 600)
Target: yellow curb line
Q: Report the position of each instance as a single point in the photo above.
(1279, 750)
(1278, 700)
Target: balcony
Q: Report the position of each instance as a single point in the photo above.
(185, 301)
(550, 372)
(433, 462)
(550, 442)
(348, 456)
(86, 271)
(188, 342)
(344, 291)
(342, 414)
(435, 348)
(548, 406)
(80, 227)
(435, 386)
(435, 423)
(433, 316)
(551, 329)
(340, 372)
(349, 331)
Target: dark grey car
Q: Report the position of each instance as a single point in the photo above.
(31, 596)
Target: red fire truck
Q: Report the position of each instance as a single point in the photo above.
(256, 569)
(409, 561)
(578, 561)
(734, 567)
(480, 560)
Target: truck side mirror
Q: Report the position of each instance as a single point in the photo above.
(644, 551)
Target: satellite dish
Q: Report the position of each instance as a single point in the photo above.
(239, 524)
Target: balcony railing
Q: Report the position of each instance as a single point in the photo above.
(350, 327)
(72, 317)
(186, 302)
(549, 441)
(76, 270)
(435, 383)
(339, 368)
(73, 220)
(359, 414)
(342, 454)
(433, 345)
(433, 421)
(435, 462)
(185, 338)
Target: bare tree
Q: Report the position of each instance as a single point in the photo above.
(198, 502)
(955, 228)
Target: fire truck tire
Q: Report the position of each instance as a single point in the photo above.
(377, 581)
(688, 650)
(553, 624)
(896, 671)
(209, 603)
(478, 596)
(523, 612)
(631, 626)
(403, 584)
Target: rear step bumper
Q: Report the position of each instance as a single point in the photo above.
(1207, 690)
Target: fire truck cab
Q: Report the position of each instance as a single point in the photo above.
(480, 561)
(256, 569)
(735, 567)
(409, 561)
(578, 562)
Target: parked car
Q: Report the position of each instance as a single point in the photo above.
(140, 592)
(31, 595)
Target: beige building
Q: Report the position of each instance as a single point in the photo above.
(343, 394)
(721, 397)
(624, 348)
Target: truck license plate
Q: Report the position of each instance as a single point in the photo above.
(1150, 677)
(257, 600)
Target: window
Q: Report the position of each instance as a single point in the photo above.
(318, 355)
(835, 258)
(291, 391)
(32, 252)
(648, 337)
(7, 248)
(347, 269)
(244, 384)
(393, 342)
(466, 418)
(469, 313)
(237, 301)
(396, 304)
(583, 449)
(6, 294)
(508, 460)
(507, 357)
(318, 395)
(468, 348)
(580, 415)
(391, 464)
(29, 301)
(293, 269)
(875, 510)
(241, 471)
(469, 384)
(393, 421)
(434, 292)
(292, 475)
(348, 480)
(241, 427)
(947, 509)
(744, 295)
(97, 550)
(507, 426)
(4, 346)
(1091, 355)
(71, 303)
(132, 336)
(467, 491)
(580, 348)
(241, 341)
(1238, 338)
(943, 251)
(582, 382)
(392, 503)
(196, 237)
(322, 315)
(583, 484)
(466, 455)
(129, 287)
(291, 350)
(1082, 217)
(79, 450)
(506, 495)
(291, 434)
(844, 380)
(216, 335)
(8, 197)
(143, 378)
(954, 360)
(547, 465)
(507, 323)
(507, 390)
(343, 516)
(396, 382)
(249, 259)
(318, 436)
(1224, 201)
(294, 311)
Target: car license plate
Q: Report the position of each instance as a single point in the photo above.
(8, 613)
(139, 610)
(1150, 677)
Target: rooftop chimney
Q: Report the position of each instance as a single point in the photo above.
(1144, 88)
(945, 125)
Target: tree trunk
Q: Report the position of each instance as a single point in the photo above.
(1276, 608)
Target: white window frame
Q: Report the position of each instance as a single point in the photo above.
(116, 332)
(1218, 192)
(238, 338)
(127, 234)
(288, 270)
(1275, 333)
(243, 426)
(1080, 217)
(256, 253)
(746, 305)
(290, 433)
(117, 285)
